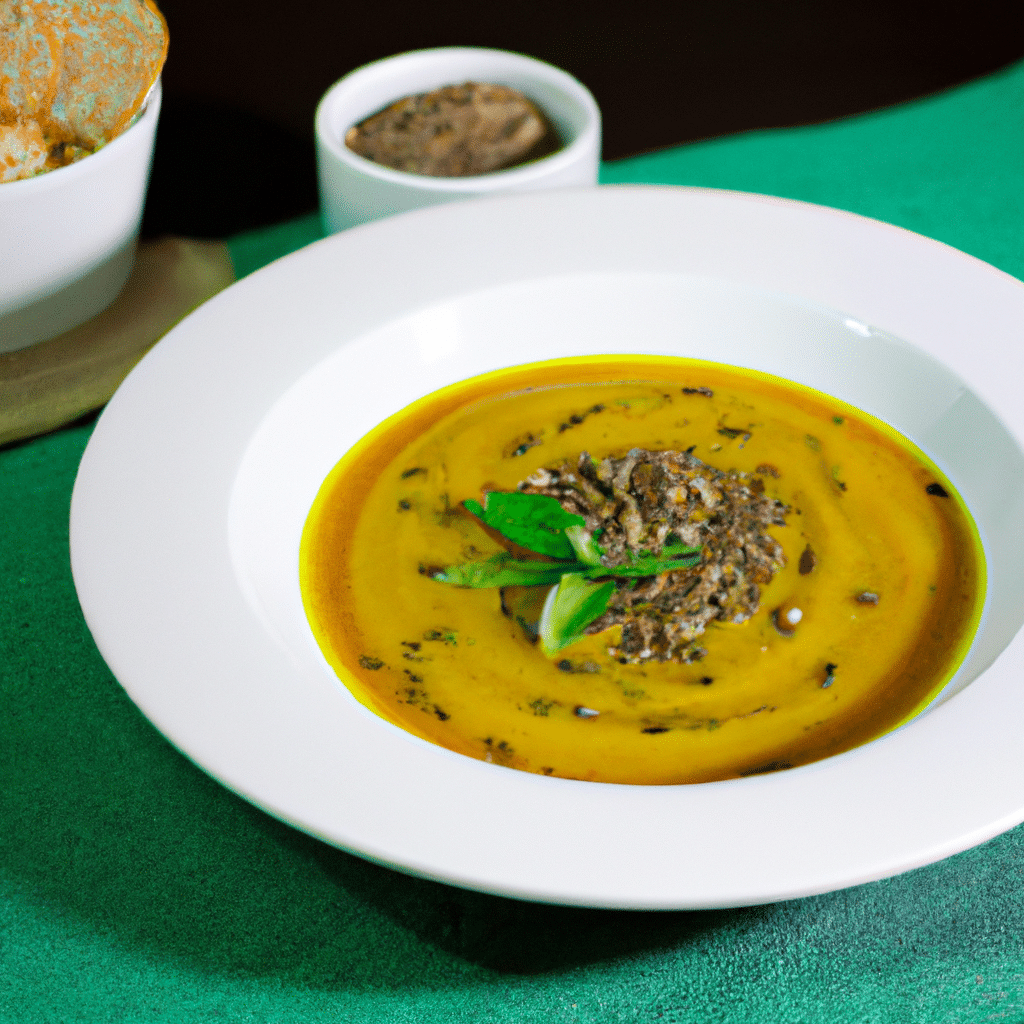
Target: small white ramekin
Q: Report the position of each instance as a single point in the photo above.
(67, 237)
(354, 190)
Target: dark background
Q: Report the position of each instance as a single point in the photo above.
(235, 147)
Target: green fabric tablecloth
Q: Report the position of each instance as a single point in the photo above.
(135, 889)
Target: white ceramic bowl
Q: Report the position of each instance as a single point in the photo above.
(354, 190)
(67, 237)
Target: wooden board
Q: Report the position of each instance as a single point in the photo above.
(48, 385)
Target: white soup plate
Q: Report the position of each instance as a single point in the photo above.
(193, 491)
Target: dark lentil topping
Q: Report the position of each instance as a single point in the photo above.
(641, 501)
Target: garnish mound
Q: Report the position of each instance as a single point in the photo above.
(638, 503)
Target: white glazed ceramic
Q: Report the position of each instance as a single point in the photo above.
(354, 190)
(185, 528)
(67, 237)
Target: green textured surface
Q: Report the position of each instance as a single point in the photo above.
(950, 167)
(135, 889)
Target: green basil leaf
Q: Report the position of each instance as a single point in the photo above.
(587, 549)
(678, 548)
(645, 565)
(533, 521)
(502, 570)
(570, 607)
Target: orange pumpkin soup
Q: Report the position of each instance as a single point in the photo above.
(759, 576)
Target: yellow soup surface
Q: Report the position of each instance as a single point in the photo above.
(446, 664)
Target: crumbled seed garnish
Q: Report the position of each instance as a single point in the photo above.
(565, 665)
(830, 675)
(404, 506)
(648, 501)
(520, 446)
(937, 490)
(808, 560)
(412, 472)
(501, 752)
(541, 707)
(445, 636)
(582, 712)
(442, 715)
(577, 418)
(779, 622)
(706, 680)
(415, 698)
(812, 442)
(413, 645)
(653, 729)
(867, 597)
(706, 392)
(771, 766)
(767, 469)
(373, 664)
